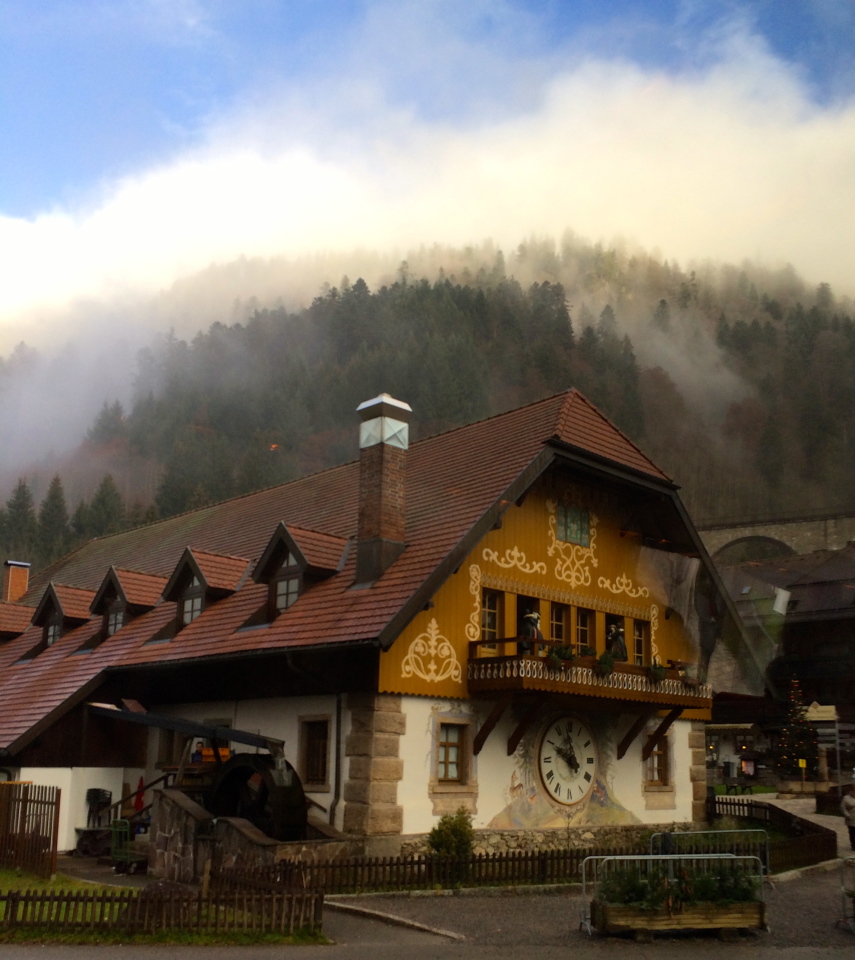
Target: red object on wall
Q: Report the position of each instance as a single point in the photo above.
(139, 799)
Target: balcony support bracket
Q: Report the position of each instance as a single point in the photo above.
(660, 732)
(489, 724)
(633, 732)
(524, 724)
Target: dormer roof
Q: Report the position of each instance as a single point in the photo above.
(72, 603)
(217, 573)
(142, 590)
(319, 553)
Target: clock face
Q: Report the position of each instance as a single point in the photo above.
(567, 760)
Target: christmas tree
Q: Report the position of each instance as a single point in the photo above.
(798, 737)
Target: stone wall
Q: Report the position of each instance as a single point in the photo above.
(175, 822)
(184, 837)
(635, 836)
(698, 770)
(803, 536)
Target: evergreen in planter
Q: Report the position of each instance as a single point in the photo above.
(604, 665)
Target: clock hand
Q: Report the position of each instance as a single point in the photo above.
(569, 757)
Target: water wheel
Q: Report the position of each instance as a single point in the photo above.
(249, 786)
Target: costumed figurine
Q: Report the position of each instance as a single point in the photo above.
(616, 642)
(530, 632)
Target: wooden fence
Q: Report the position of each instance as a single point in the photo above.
(415, 872)
(808, 843)
(131, 911)
(29, 824)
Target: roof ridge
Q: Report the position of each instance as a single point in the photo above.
(223, 556)
(496, 416)
(574, 393)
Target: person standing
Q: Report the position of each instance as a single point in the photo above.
(847, 807)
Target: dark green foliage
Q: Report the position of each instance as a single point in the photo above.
(20, 526)
(253, 404)
(453, 835)
(54, 533)
(672, 885)
(106, 510)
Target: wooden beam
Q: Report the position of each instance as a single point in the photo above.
(633, 732)
(491, 721)
(661, 730)
(524, 724)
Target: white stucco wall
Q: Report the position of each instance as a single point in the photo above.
(509, 790)
(74, 782)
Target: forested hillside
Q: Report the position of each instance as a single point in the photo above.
(739, 382)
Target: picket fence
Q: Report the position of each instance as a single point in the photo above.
(356, 874)
(131, 911)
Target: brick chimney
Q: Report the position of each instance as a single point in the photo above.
(16, 579)
(384, 437)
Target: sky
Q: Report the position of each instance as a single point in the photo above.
(142, 140)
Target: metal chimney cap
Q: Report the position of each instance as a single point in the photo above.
(16, 563)
(384, 405)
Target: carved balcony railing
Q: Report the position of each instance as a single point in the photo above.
(490, 672)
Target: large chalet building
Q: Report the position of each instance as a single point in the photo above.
(515, 616)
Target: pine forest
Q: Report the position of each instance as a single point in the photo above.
(738, 380)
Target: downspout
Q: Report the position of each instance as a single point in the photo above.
(337, 780)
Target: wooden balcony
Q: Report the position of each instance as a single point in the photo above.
(491, 672)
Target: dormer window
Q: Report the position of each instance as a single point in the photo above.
(192, 601)
(286, 586)
(115, 618)
(53, 630)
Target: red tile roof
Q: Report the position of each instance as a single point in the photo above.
(220, 572)
(141, 589)
(320, 549)
(456, 487)
(15, 617)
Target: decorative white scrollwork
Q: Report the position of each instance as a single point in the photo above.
(623, 584)
(572, 560)
(514, 557)
(654, 626)
(473, 628)
(431, 657)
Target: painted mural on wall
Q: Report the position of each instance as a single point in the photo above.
(548, 788)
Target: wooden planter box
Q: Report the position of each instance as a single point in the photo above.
(618, 918)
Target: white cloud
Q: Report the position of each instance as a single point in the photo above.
(728, 161)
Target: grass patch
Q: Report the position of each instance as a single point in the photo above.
(13, 880)
(163, 937)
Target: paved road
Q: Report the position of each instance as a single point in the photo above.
(502, 926)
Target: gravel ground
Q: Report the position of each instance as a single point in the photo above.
(801, 913)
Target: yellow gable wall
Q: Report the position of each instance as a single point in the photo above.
(611, 576)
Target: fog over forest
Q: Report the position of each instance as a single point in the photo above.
(738, 380)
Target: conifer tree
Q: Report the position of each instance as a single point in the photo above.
(21, 525)
(53, 528)
(107, 509)
(798, 737)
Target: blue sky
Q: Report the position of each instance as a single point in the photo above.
(145, 138)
